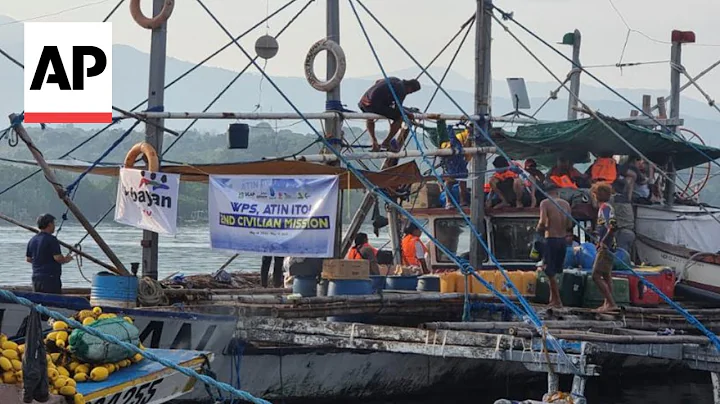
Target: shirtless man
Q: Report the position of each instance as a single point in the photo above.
(556, 224)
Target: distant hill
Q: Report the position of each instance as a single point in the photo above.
(195, 91)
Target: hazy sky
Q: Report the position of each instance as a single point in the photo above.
(424, 26)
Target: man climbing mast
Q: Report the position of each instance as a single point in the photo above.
(378, 99)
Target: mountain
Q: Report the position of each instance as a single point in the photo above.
(130, 67)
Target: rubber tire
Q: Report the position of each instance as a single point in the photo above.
(155, 22)
(337, 51)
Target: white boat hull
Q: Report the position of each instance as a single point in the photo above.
(699, 274)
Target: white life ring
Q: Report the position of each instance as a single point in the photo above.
(155, 22)
(341, 64)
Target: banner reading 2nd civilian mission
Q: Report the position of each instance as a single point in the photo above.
(273, 215)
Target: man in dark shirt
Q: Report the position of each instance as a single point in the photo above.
(378, 99)
(43, 252)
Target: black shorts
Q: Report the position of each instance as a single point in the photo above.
(554, 255)
(50, 285)
(388, 112)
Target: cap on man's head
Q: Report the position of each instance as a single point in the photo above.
(530, 163)
(45, 220)
(500, 162)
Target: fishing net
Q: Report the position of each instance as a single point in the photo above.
(92, 349)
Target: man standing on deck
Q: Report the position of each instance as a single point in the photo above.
(556, 224)
(43, 252)
(378, 99)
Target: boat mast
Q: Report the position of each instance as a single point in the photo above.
(574, 75)
(334, 124)
(483, 79)
(154, 135)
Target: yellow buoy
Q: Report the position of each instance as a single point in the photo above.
(16, 364)
(9, 377)
(9, 345)
(60, 326)
(60, 343)
(78, 399)
(5, 364)
(10, 354)
(88, 321)
(68, 391)
(21, 349)
(63, 371)
(53, 373)
(97, 310)
(54, 357)
(137, 358)
(99, 374)
(82, 369)
(51, 336)
(60, 382)
(80, 377)
(128, 319)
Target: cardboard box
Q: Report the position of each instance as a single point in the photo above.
(346, 269)
(426, 197)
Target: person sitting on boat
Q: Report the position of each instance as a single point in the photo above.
(506, 184)
(455, 167)
(277, 271)
(564, 175)
(378, 99)
(636, 178)
(413, 249)
(555, 223)
(538, 178)
(606, 245)
(43, 252)
(362, 250)
(604, 168)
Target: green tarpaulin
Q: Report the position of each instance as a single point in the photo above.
(574, 139)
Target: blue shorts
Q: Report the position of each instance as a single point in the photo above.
(554, 255)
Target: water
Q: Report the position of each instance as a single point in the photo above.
(189, 253)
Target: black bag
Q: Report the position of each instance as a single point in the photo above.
(35, 377)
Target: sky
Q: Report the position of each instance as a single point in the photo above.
(424, 27)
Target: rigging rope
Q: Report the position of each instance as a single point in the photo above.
(470, 20)
(509, 16)
(692, 320)
(9, 296)
(531, 315)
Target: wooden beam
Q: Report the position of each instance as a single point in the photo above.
(52, 179)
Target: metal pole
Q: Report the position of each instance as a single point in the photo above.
(675, 65)
(50, 176)
(575, 78)
(334, 125)
(324, 158)
(483, 26)
(154, 136)
(394, 229)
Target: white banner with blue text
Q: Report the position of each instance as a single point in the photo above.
(148, 200)
(278, 215)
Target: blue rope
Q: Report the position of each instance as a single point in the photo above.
(689, 317)
(109, 150)
(9, 296)
(358, 174)
(509, 16)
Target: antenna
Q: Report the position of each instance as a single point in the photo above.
(519, 97)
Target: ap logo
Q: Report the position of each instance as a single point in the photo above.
(68, 72)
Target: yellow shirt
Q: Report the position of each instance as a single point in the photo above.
(464, 139)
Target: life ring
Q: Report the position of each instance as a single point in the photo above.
(146, 149)
(341, 64)
(155, 22)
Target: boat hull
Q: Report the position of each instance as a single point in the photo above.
(702, 272)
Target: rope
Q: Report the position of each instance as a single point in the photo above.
(237, 76)
(9, 296)
(112, 147)
(150, 292)
(509, 16)
(470, 20)
(709, 99)
(78, 260)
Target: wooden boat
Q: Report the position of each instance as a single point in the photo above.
(697, 269)
(145, 382)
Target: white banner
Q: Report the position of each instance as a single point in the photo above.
(280, 215)
(148, 200)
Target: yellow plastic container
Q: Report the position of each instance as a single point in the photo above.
(460, 283)
(530, 278)
(477, 287)
(448, 281)
(517, 278)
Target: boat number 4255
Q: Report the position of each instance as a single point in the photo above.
(142, 394)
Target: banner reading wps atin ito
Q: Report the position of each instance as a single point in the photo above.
(68, 72)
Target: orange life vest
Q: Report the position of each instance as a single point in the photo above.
(604, 169)
(409, 254)
(504, 175)
(563, 181)
(354, 253)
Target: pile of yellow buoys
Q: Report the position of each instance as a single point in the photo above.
(64, 370)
